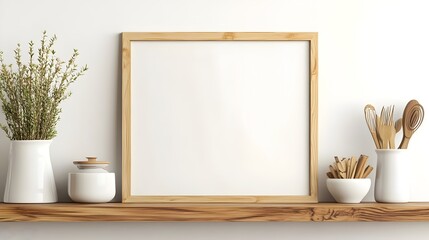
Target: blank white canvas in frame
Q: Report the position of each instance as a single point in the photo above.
(220, 118)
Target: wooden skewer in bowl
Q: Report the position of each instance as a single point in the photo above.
(349, 168)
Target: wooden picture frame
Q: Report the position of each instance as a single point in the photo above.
(147, 56)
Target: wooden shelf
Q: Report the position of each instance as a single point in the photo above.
(131, 212)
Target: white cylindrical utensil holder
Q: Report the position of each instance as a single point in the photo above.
(392, 177)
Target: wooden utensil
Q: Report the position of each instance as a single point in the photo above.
(391, 125)
(361, 166)
(398, 125)
(371, 122)
(385, 126)
(333, 171)
(367, 171)
(412, 118)
(354, 165)
(349, 168)
(341, 169)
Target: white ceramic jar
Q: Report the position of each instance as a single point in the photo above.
(91, 183)
(392, 177)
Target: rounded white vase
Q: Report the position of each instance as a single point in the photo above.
(30, 178)
(392, 177)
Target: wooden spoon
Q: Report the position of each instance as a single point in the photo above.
(398, 125)
(411, 120)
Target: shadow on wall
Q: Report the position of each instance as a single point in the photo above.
(118, 123)
(4, 157)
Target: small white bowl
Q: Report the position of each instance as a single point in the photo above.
(348, 190)
(91, 187)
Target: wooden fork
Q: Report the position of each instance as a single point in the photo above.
(386, 128)
(391, 125)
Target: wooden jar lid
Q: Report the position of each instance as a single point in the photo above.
(90, 160)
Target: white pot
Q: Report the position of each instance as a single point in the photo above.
(392, 177)
(97, 187)
(30, 178)
(91, 183)
(348, 190)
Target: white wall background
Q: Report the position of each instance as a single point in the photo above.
(370, 51)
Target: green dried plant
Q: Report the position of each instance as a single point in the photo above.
(31, 93)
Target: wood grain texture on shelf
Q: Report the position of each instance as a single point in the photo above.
(130, 212)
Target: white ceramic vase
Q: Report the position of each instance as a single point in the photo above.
(30, 178)
(392, 177)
